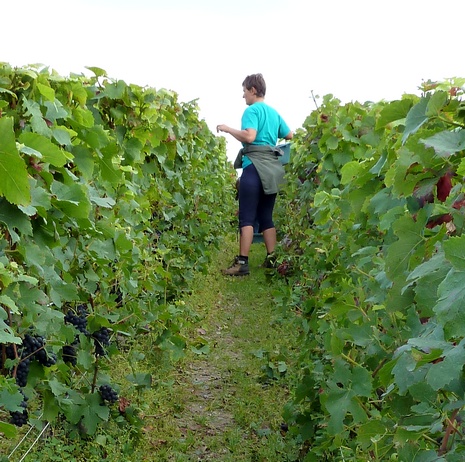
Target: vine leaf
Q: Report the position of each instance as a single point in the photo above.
(451, 294)
(93, 412)
(10, 398)
(344, 393)
(454, 250)
(8, 430)
(416, 117)
(51, 153)
(396, 110)
(407, 248)
(446, 143)
(444, 372)
(15, 184)
(15, 220)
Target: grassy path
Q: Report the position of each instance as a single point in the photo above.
(226, 405)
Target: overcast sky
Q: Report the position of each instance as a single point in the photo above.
(203, 49)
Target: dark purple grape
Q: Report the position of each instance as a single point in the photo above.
(69, 354)
(101, 340)
(108, 394)
(79, 320)
(20, 418)
(22, 373)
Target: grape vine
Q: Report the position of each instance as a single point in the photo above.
(105, 215)
(374, 260)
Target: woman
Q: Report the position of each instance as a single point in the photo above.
(262, 171)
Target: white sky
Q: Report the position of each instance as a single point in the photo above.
(203, 49)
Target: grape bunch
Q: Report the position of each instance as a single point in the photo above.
(45, 358)
(69, 354)
(108, 394)
(119, 296)
(34, 347)
(79, 320)
(20, 418)
(22, 369)
(22, 372)
(101, 340)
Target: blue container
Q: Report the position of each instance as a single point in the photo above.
(286, 157)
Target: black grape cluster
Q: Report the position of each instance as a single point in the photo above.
(119, 296)
(33, 347)
(79, 319)
(69, 353)
(108, 394)
(101, 340)
(20, 418)
(22, 372)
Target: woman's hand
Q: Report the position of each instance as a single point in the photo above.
(244, 136)
(222, 128)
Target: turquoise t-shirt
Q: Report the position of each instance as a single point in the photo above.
(268, 124)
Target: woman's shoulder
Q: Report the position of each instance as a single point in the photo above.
(261, 107)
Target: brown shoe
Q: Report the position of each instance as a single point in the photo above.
(270, 261)
(238, 268)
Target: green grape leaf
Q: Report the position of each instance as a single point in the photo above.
(46, 91)
(107, 168)
(435, 263)
(436, 103)
(17, 222)
(115, 90)
(63, 135)
(7, 335)
(454, 250)
(371, 430)
(97, 71)
(416, 117)
(15, 184)
(83, 117)
(9, 303)
(395, 110)
(58, 388)
(141, 380)
(37, 120)
(450, 368)
(84, 160)
(451, 293)
(55, 110)
(51, 153)
(406, 373)
(446, 143)
(10, 398)
(93, 412)
(9, 430)
(71, 199)
(402, 254)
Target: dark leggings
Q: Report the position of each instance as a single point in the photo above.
(254, 205)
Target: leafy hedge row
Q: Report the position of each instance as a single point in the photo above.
(375, 261)
(106, 195)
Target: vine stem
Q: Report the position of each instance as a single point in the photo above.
(314, 100)
(10, 320)
(94, 378)
(350, 360)
(449, 430)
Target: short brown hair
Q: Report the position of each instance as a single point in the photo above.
(256, 81)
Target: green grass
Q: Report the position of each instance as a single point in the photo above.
(223, 401)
